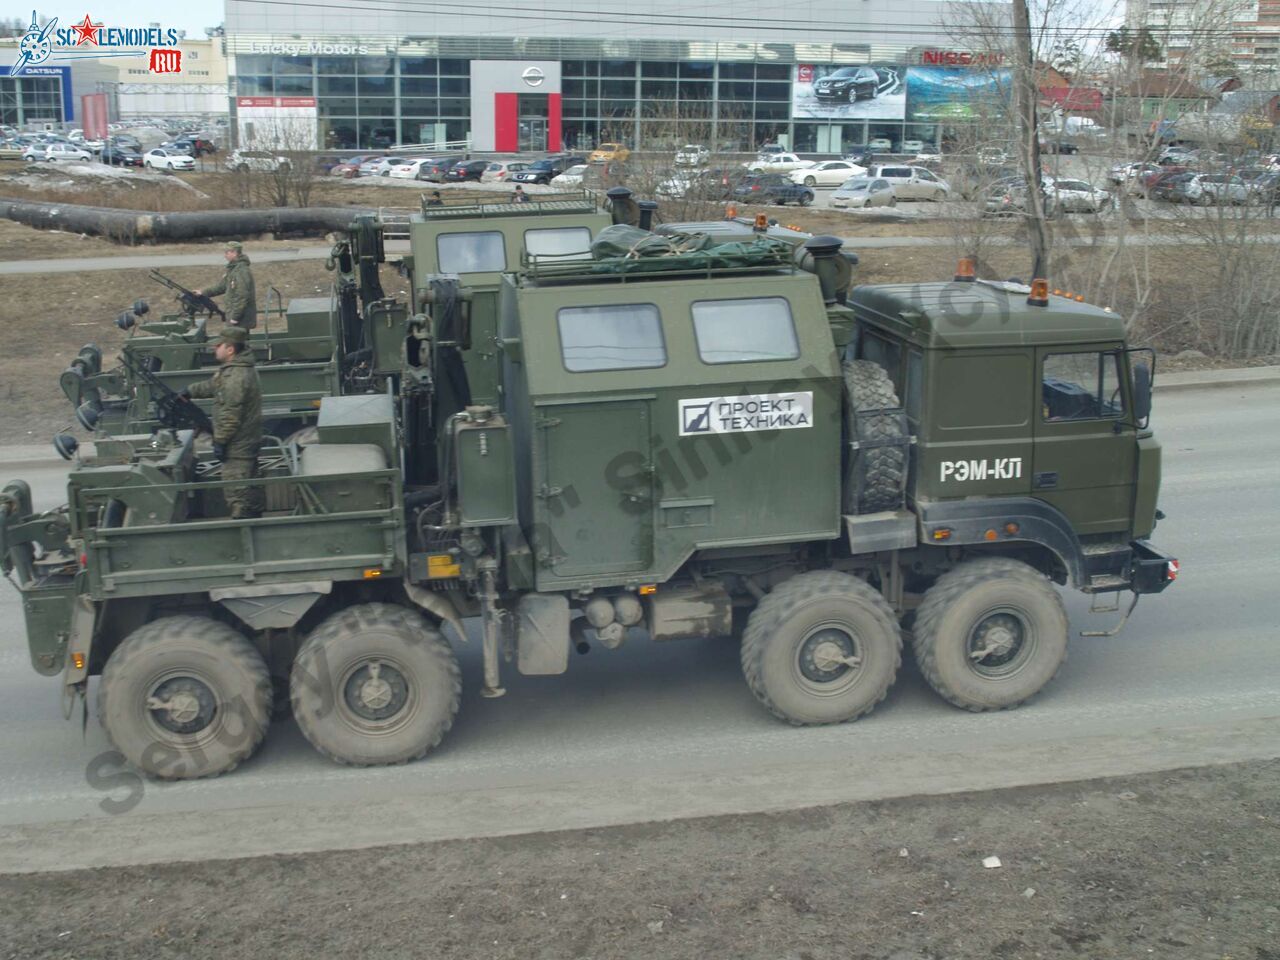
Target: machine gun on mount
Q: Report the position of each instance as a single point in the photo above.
(172, 409)
(192, 302)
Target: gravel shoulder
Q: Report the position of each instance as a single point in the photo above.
(1171, 865)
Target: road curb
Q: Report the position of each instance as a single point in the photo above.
(1211, 379)
(29, 455)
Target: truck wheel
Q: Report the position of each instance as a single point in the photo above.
(824, 647)
(185, 697)
(990, 634)
(375, 684)
(869, 390)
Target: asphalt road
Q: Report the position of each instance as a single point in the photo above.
(656, 732)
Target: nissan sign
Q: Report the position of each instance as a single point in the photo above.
(533, 76)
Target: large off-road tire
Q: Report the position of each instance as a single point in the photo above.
(215, 691)
(795, 639)
(868, 389)
(990, 634)
(375, 684)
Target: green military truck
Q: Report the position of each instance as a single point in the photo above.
(699, 438)
(312, 347)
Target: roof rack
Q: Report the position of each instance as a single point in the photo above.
(564, 269)
(584, 202)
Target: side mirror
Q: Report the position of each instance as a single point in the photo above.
(1141, 393)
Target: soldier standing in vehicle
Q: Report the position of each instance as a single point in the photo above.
(237, 418)
(241, 305)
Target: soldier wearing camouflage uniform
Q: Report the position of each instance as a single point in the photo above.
(241, 305)
(237, 418)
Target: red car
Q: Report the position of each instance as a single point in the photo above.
(351, 168)
(1157, 178)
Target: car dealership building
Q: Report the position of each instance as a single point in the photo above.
(513, 77)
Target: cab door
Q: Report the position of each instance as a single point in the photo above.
(1085, 440)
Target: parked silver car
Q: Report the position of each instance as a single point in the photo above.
(859, 193)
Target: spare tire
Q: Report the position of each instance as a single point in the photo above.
(875, 470)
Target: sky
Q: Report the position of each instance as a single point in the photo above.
(190, 15)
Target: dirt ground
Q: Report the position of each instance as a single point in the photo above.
(1177, 866)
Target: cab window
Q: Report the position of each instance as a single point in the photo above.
(746, 330)
(471, 252)
(624, 336)
(557, 241)
(1081, 386)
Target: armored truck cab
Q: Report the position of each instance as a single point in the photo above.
(654, 420)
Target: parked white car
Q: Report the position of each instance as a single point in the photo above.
(501, 170)
(260, 160)
(159, 159)
(676, 185)
(911, 183)
(827, 173)
(572, 177)
(1210, 188)
(380, 166)
(409, 169)
(777, 163)
(54, 152)
(1077, 196)
(1130, 171)
(912, 147)
(880, 145)
(859, 193)
(1061, 196)
(692, 155)
(994, 156)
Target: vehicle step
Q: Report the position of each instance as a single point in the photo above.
(1105, 583)
(1096, 549)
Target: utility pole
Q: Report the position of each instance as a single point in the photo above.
(1026, 97)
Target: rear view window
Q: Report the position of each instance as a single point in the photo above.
(560, 240)
(746, 330)
(471, 252)
(615, 337)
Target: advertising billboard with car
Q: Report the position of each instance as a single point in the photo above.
(951, 93)
(868, 92)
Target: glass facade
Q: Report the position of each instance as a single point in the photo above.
(369, 101)
(26, 100)
(661, 105)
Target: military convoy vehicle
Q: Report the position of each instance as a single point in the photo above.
(311, 348)
(696, 438)
(342, 344)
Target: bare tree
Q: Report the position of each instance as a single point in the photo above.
(692, 192)
(280, 162)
